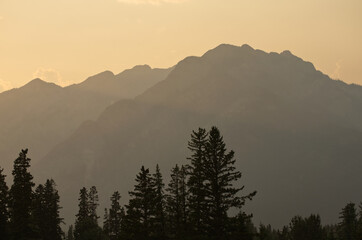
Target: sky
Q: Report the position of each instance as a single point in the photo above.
(65, 41)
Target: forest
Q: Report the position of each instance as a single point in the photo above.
(198, 203)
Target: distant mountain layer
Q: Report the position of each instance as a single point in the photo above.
(297, 133)
(40, 115)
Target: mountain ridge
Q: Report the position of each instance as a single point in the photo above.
(289, 124)
(40, 114)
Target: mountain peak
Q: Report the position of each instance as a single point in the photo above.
(142, 67)
(247, 47)
(38, 83)
(287, 53)
(105, 74)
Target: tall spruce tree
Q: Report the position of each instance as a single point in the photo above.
(21, 195)
(174, 203)
(140, 209)
(348, 225)
(177, 203)
(115, 217)
(196, 181)
(45, 212)
(93, 200)
(184, 200)
(159, 206)
(220, 174)
(86, 226)
(4, 201)
(106, 228)
(70, 233)
(82, 218)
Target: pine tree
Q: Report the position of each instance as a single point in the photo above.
(220, 174)
(306, 228)
(86, 226)
(241, 227)
(4, 201)
(106, 227)
(70, 234)
(140, 209)
(21, 195)
(267, 233)
(176, 203)
(196, 181)
(93, 204)
(115, 218)
(159, 205)
(348, 226)
(183, 199)
(45, 212)
(284, 234)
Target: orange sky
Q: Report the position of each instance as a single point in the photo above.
(65, 41)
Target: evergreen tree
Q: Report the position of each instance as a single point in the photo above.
(21, 194)
(306, 228)
(330, 232)
(140, 209)
(348, 225)
(176, 203)
(159, 205)
(70, 235)
(196, 182)
(183, 199)
(106, 227)
(267, 233)
(4, 201)
(93, 204)
(115, 218)
(284, 234)
(220, 174)
(241, 227)
(45, 212)
(86, 227)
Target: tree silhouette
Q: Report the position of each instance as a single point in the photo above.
(86, 226)
(196, 181)
(220, 174)
(21, 196)
(140, 209)
(115, 217)
(348, 225)
(4, 201)
(45, 212)
(306, 228)
(159, 206)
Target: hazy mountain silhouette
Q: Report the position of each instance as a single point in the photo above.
(296, 133)
(40, 115)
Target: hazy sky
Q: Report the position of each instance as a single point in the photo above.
(65, 41)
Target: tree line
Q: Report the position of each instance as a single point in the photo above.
(194, 205)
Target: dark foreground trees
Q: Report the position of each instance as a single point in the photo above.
(21, 197)
(45, 212)
(4, 201)
(86, 224)
(195, 205)
(27, 214)
(220, 175)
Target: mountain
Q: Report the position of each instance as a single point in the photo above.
(297, 133)
(40, 115)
